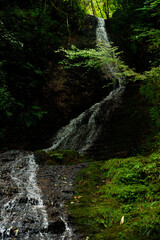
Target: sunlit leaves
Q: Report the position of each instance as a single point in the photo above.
(99, 8)
(89, 58)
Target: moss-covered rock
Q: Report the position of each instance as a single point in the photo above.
(59, 157)
(119, 199)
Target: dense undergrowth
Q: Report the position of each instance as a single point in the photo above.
(119, 198)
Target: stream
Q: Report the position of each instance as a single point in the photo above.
(33, 197)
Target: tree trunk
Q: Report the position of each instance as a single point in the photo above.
(106, 9)
(92, 6)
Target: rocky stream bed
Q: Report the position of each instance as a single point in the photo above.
(33, 205)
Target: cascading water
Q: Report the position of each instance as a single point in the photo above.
(81, 133)
(26, 208)
(23, 215)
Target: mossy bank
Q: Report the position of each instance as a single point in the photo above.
(119, 199)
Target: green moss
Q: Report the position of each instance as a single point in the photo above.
(108, 190)
(56, 157)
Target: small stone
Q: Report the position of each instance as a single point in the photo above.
(58, 226)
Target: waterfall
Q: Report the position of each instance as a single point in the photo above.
(82, 132)
(23, 215)
(110, 69)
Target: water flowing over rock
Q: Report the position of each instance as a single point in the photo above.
(81, 133)
(24, 215)
(33, 196)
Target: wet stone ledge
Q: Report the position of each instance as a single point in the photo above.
(22, 216)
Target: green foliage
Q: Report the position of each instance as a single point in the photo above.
(104, 57)
(7, 102)
(57, 155)
(151, 89)
(99, 8)
(136, 23)
(31, 116)
(106, 191)
(87, 58)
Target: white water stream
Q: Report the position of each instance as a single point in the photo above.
(25, 214)
(68, 232)
(27, 206)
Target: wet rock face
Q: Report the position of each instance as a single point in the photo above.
(57, 189)
(22, 211)
(123, 130)
(33, 198)
(85, 37)
(10, 155)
